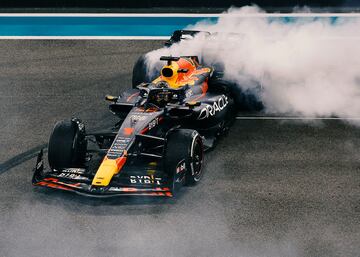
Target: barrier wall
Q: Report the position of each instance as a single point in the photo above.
(168, 4)
(125, 26)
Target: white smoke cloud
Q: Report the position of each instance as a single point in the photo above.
(307, 66)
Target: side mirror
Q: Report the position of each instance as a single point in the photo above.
(111, 98)
(192, 104)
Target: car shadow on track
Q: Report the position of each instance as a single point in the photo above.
(21, 158)
(33, 152)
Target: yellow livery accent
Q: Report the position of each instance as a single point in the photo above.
(107, 169)
(182, 72)
(173, 76)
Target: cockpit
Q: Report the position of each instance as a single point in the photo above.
(160, 94)
(181, 77)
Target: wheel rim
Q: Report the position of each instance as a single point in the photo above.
(197, 160)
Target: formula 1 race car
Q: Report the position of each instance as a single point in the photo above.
(158, 144)
(245, 91)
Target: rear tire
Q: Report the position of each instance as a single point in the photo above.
(67, 145)
(245, 100)
(141, 74)
(219, 86)
(184, 157)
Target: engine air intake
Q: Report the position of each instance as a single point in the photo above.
(167, 72)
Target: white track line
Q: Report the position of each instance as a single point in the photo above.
(293, 118)
(88, 37)
(191, 15)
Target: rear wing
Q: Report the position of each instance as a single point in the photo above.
(179, 35)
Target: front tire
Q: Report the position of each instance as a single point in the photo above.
(184, 156)
(67, 145)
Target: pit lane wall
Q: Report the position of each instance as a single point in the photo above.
(123, 26)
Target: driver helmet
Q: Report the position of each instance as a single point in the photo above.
(162, 84)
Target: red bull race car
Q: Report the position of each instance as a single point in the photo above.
(245, 90)
(156, 147)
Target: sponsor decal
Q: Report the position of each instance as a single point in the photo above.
(114, 149)
(181, 167)
(211, 110)
(72, 176)
(121, 139)
(189, 93)
(136, 117)
(119, 145)
(149, 191)
(153, 123)
(74, 170)
(80, 125)
(40, 164)
(145, 180)
(118, 189)
(142, 114)
(194, 134)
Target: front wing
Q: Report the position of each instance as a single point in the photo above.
(78, 182)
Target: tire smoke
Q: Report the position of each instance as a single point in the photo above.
(306, 66)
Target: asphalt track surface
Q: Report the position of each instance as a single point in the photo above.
(271, 188)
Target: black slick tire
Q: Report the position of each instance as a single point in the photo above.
(184, 156)
(139, 74)
(67, 146)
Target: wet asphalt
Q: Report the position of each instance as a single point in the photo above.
(271, 188)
